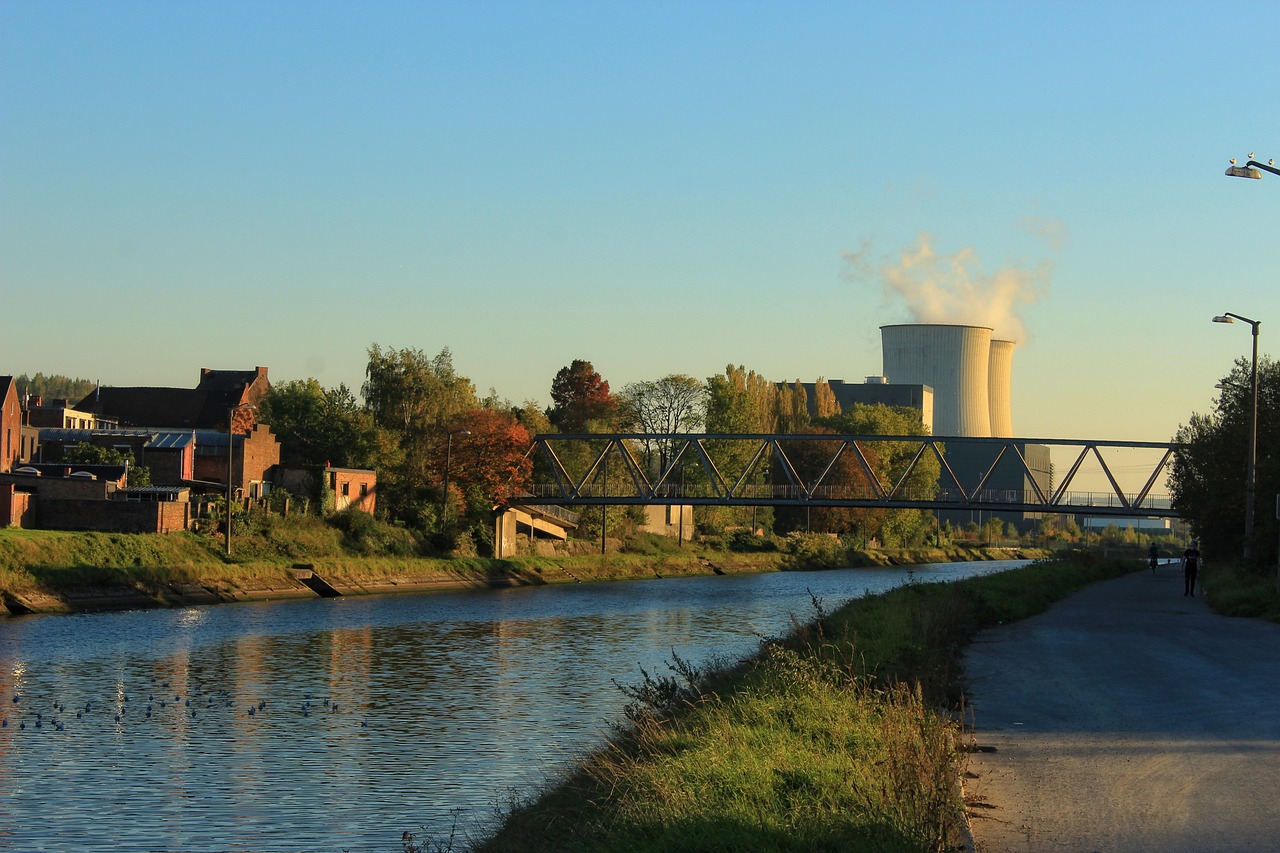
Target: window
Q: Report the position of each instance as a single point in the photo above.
(364, 489)
(346, 489)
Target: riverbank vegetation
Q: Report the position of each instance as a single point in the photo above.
(844, 735)
(59, 571)
(1239, 590)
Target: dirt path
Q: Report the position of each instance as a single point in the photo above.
(1127, 718)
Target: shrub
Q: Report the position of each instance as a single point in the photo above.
(746, 542)
(365, 535)
(815, 550)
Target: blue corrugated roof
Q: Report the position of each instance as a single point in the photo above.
(170, 440)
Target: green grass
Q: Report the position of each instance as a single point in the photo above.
(839, 736)
(1234, 591)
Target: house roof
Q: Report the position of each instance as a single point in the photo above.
(204, 407)
(101, 472)
(156, 440)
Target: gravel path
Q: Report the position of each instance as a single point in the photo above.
(1127, 718)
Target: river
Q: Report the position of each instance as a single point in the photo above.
(337, 724)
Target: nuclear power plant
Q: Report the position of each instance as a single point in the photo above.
(967, 369)
(959, 378)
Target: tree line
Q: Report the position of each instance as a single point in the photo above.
(418, 416)
(1207, 484)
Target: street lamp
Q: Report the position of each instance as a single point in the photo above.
(444, 493)
(231, 455)
(1228, 317)
(1250, 169)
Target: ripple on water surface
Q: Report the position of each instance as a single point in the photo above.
(338, 724)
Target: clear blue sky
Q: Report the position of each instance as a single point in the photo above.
(655, 187)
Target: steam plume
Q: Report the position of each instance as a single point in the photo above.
(953, 288)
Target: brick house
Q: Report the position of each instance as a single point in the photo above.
(351, 487)
(169, 456)
(204, 407)
(60, 414)
(255, 458)
(59, 497)
(10, 424)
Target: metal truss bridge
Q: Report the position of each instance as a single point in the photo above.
(841, 471)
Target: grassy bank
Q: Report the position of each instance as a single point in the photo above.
(56, 571)
(840, 736)
(1235, 591)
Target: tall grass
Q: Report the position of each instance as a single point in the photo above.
(1235, 591)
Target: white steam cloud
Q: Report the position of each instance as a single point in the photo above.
(953, 288)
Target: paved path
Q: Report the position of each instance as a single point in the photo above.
(1127, 718)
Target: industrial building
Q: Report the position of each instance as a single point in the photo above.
(958, 377)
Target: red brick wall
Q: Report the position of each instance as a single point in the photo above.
(60, 487)
(261, 453)
(116, 516)
(10, 426)
(15, 507)
(255, 455)
(353, 487)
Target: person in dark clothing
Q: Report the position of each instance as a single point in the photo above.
(1153, 557)
(1190, 568)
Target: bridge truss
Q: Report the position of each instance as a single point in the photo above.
(765, 470)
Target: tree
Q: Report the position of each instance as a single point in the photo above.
(666, 407)
(408, 392)
(84, 453)
(414, 398)
(888, 461)
(580, 396)
(844, 479)
(318, 426)
(792, 408)
(739, 402)
(54, 387)
(825, 404)
(494, 457)
(1207, 482)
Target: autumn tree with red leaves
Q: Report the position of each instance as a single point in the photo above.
(493, 459)
(579, 396)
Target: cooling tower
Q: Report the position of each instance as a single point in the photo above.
(999, 369)
(954, 360)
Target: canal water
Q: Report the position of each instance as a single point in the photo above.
(338, 724)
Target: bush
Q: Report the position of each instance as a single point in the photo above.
(1233, 591)
(746, 542)
(365, 535)
(815, 550)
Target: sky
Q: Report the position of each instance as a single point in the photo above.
(656, 187)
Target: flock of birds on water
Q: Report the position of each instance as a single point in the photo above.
(34, 713)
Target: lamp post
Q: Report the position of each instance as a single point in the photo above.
(231, 455)
(1250, 169)
(1252, 459)
(444, 493)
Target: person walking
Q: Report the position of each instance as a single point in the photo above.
(1153, 556)
(1190, 568)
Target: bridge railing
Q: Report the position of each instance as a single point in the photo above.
(852, 494)
(622, 468)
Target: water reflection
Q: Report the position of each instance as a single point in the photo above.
(337, 724)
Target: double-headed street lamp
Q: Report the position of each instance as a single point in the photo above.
(444, 493)
(231, 455)
(1252, 460)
